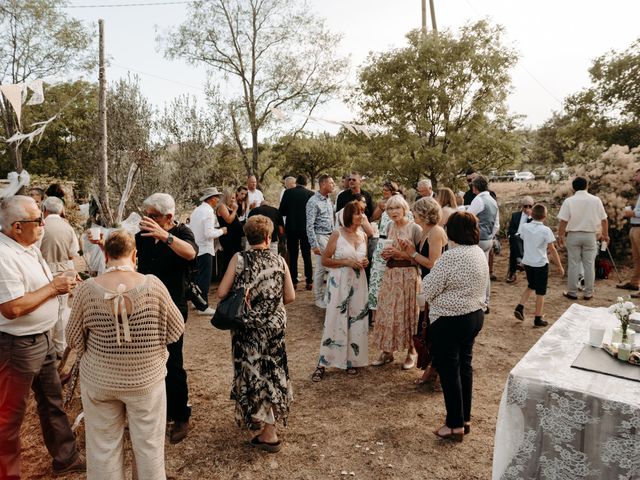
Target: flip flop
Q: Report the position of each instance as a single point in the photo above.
(274, 447)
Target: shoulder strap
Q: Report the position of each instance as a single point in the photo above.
(245, 269)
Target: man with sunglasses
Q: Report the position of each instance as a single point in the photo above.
(353, 193)
(29, 303)
(516, 248)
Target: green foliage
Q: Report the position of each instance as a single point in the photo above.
(442, 103)
(276, 53)
(37, 40)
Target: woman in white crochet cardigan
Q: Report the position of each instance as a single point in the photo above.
(121, 322)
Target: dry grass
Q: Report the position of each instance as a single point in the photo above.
(377, 425)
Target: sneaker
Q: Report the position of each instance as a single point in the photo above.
(519, 313)
(539, 322)
(79, 465)
(179, 432)
(209, 311)
(321, 304)
(511, 278)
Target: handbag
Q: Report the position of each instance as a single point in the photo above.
(230, 311)
(421, 340)
(193, 292)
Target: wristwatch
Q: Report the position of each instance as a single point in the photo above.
(414, 255)
(169, 239)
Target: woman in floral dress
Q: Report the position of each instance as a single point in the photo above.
(344, 342)
(397, 315)
(261, 387)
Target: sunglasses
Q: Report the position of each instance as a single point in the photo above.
(353, 179)
(39, 221)
(528, 206)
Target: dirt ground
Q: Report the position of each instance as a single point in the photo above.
(376, 425)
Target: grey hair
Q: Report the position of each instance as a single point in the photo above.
(290, 181)
(397, 201)
(163, 203)
(425, 182)
(428, 210)
(13, 209)
(53, 205)
(526, 200)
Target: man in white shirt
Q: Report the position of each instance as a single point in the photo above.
(59, 246)
(205, 227)
(485, 208)
(28, 311)
(581, 217)
(254, 196)
(424, 189)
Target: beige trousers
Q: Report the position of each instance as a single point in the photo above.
(634, 236)
(105, 418)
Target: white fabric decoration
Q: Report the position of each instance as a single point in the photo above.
(133, 169)
(13, 93)
(19, 137)
(16, 182)
(38, 95)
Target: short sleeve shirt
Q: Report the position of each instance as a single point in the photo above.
(583, 212)
(24, 270)
(535, 238)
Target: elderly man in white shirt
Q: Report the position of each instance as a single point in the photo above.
(254, 196)
(581, 217)
(205, 227)
(29, 302)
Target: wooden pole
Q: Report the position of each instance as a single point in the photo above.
(432, 7)
(424, 18)
(103, 164)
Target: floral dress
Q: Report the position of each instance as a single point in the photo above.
(397, 316)
(345, 337)
(261, 386)
(378, 264)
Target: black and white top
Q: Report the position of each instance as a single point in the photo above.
(457, 283)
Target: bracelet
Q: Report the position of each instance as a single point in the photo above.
(414, 255)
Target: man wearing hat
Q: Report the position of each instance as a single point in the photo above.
(205, 227)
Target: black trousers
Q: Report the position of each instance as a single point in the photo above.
(516, 251)
(178, 408)
(452, 345)
(299, 241)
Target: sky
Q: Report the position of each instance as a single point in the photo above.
(557, 41)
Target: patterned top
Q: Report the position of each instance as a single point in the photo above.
(137, 365)
(319, 217)
(457, 283)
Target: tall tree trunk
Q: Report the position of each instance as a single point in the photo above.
(103, 164)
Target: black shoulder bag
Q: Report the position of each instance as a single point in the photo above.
(230, 311)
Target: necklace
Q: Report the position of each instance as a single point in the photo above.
(120, 268)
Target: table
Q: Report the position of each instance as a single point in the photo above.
(557, 422)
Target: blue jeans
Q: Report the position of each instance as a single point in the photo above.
(205, 271)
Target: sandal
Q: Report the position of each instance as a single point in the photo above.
(451, 435)
(352, 371)
(274, 447)
(318, 374)
(429, 375)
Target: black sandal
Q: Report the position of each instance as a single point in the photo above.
(318, 374)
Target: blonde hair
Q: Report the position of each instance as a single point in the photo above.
(119, 244)
(257, 228)
(428, 210)
(396, 201)
(446, 198)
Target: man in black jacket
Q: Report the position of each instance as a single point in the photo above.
(516, 250)
(293, 206)
(353, 193)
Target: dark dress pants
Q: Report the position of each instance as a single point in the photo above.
(516, 251)
(299, 241)
(452, 345)
(178, 408)
(29, 363)
(205, 271)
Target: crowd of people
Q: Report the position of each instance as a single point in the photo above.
(416, 276)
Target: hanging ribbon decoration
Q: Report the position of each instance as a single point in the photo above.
(13, 93)
(354, 128)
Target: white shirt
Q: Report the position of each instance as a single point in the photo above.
(23, 270)
(583, 212)
(59, 243)
(535, 238)
(205, 227)
(254, 197)
(477, 205)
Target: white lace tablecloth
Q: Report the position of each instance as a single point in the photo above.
(557, 422)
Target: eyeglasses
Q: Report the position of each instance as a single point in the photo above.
(39, 221)
(527, 206)
(154, 216)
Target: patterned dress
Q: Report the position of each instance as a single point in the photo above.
(261, 386)
(378, 264)
(398, 303)
(346, 326)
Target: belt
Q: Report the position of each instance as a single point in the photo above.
(32, 336)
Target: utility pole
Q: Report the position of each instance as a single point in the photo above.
(432, 7)
(103, 164)
(424, 19)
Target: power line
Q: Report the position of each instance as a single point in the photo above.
(118, 5)
(158, 77)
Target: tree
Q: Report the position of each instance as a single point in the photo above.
(278, 53)
(37, 40)
(442, 102)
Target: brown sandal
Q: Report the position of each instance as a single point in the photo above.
(318, 374)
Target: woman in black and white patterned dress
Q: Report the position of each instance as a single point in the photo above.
(261, 386)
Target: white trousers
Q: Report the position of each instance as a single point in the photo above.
(486, 246)
(320, 271)
(105, 418)
(581, 253)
